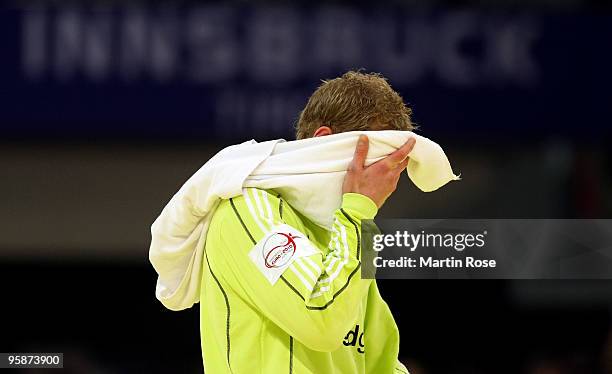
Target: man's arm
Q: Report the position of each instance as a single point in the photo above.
(316, 298)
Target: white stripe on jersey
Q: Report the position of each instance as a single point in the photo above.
(255, 215)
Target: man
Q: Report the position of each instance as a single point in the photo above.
(320, 316)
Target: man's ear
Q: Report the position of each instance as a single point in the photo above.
(322, 131)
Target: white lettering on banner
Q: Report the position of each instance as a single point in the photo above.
(337, 40)
(133, 51)
(266, 113)
(272, 46)
(278, 46)
(214, 49)
(165, 45)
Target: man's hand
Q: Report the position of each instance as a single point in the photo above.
(379, 180)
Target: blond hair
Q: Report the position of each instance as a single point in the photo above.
(354, 101)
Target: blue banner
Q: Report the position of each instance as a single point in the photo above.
(234, 72)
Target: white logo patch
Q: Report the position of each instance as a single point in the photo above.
(277, 250)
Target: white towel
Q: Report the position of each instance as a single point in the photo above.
(308, 174)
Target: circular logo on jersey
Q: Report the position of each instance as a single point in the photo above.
(278, 250)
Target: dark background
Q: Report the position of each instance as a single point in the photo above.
(107, 108)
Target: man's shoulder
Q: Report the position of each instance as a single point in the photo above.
(265, 206)
(256, 211)
(253, 202)
(259, 197)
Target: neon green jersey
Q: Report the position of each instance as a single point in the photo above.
(318, 317)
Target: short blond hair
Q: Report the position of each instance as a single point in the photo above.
(354, 101)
